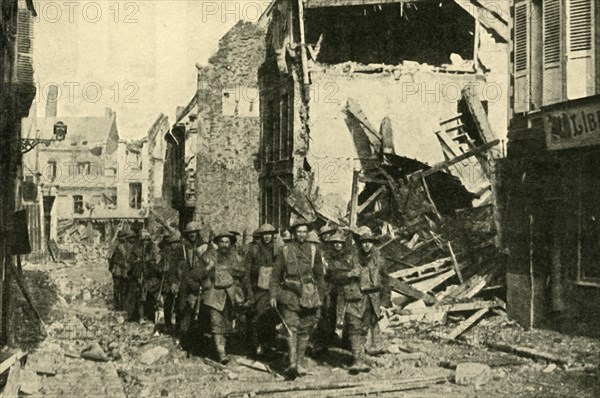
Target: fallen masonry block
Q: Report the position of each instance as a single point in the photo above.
(470, 373)
(153, 355)
(94, 353)
(29, 382)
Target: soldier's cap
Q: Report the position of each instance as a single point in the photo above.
(130, 235)
(337, 237)
(286, 236)
(174, 237)
(312, 237)
(123, 234)
(144, 235)
(366, 235)
(192, 226)
(224, 234)
(265, 229)
(299, 222)
(255, 233)
(326, 229)
(234, 233)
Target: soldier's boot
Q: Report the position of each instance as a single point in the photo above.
(303, 341)
(292, 370)
(373, 347)
(357, 344)
(219, 340)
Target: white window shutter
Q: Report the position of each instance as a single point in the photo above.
(581, 76)
(23, 72)
(552, 33)
(522, 49)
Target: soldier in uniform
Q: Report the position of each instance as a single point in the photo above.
(325, 333)
(363, 314)
(145, 276)
(173, 256)
(296, 280)
(119, 267)
(190, 292)
(259, 265)
(221, 273)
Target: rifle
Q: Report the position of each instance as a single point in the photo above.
(197, 306)
(159, 301)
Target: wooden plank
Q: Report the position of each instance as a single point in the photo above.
(354, 199)
(455, 263)
(433, 206)
(466, 324)
(371, 198)
(11, 388)
(408, 290)
(527, 352)
(356, 111)
(459, 307)
(422, 269)
(11, 360)
(473, 152)
(478, 113)
(430, 284)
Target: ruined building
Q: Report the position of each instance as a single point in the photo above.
(550, 183)
(345, 82)
(212, 148)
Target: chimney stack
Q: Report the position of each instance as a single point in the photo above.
(52, 101)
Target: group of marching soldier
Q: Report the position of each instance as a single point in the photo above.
(310, 286)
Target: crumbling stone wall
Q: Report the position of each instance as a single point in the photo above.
(229, 131)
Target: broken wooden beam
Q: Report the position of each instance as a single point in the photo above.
(354, 108)
(527, 352)
(354, 199)
(11, 360)
(476, 305)
(408, 290)
(466, 324)
(422, 269)
(371, 198)
(437, 167)
(389, 385)
(455, 263)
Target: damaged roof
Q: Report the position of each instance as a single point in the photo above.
(491, 14)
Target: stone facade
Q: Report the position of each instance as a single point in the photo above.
(228, 131)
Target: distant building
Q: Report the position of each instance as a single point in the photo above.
(92, 176)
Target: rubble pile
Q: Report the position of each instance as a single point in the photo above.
(27, 329)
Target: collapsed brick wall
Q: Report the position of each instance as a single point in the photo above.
(227, 184)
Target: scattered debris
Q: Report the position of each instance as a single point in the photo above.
(529, 353)
(153, 355)
(94, 353)
(30, 382)
(475, 374)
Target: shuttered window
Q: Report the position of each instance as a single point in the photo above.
(521, 39)
(24, 45)
(552, 22)
(580, 27)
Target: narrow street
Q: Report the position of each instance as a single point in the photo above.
(300, 198)
(141, 363)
